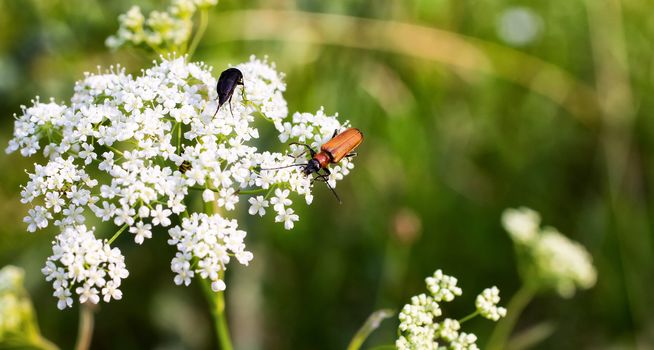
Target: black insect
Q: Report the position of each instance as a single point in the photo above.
(185, 166)
(227, 82)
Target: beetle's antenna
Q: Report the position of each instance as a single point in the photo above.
(324, 179)
(284, 167)
(334, 192)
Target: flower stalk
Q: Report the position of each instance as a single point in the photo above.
(368, 327)
(216, 302)
(85, 330)
(516, 305)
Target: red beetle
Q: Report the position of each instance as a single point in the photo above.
(338, 147)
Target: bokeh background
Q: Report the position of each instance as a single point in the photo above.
(468, 107)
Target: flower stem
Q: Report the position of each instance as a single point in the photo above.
(516, 305)
(85, 332)
(204, 20)
(113, 238)
(469, 317)
(216, 301)
(368, 327)
(45, 344)
(257, 191)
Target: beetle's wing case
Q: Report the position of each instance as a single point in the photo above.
(342, 144)
(227, 82)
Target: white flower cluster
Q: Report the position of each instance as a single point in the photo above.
(131, 150)
(555, 261)
(211, 240)
(522, 224)
(169, 30)
(486, 304)
(79, 259)
(419, 328)
(563, 263)
(443, 287)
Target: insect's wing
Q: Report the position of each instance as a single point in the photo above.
(342, 144)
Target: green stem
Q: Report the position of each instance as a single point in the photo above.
(257, 191)
(246, 192)
(115, 150)
(45, 344)
(216, 301)
(179, 137)
(384, 347)
(85, 332)
(113, 238)
(368, 327)
(469, 317)
(503, 330)
(204, 20)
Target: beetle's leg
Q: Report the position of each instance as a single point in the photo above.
(327, 171)
(311, 151)
(320, 177)
(230, 105)
(335, 132)
(352, 154)
(298, 156)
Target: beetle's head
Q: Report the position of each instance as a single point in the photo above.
(313, 166)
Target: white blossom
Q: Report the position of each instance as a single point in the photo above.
(554, 261)
(562, 263)
(522, 223)
(258, 205)
(419, 325)
(211, 240)
(114, 153)
(80, 259)
(443, 287)
(486, 304)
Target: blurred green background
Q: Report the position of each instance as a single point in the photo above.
(468, 107)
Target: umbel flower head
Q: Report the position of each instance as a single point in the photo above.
(553, 260)
(162, 31)
(419, 327)
(130, 150)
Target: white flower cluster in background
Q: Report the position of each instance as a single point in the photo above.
(162, 30)
(130, 150)
(555, 261)
(419, 327)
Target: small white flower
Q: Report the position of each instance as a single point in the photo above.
(257, 205)
(64, 298)
(227, 199)
(280, 200)
(160, 216)
(208, 195)
(287, 217)
(141, 232)
(218, 286)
